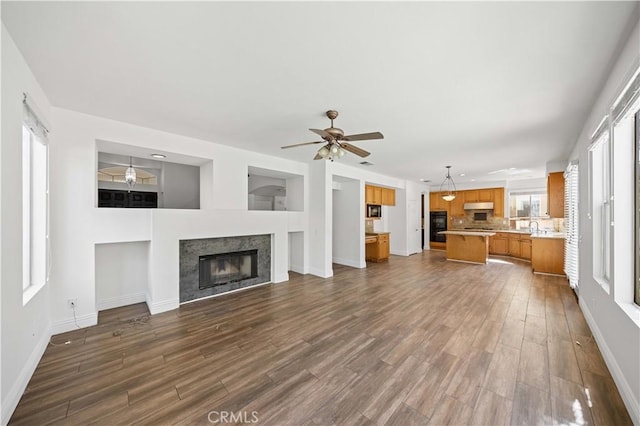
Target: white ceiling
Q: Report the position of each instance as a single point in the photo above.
(480, 86)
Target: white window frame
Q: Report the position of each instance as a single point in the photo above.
(600, 204)
(36, 263)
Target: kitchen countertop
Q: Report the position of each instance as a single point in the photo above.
(376, 233)
(469, 233)
(541, 234)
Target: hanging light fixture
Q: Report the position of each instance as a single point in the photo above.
(331, 151)
(449, 187)
(130, 174)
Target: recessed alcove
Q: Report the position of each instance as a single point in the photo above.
(274, 190)
(163, 179)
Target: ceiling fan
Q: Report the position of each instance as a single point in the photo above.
(336, 143)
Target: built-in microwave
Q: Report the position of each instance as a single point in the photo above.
(374, 210)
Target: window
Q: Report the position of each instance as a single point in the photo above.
(531, 205)
(571, 225)
(600, 179)
(35, 204)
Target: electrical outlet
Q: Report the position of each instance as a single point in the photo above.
(72, 303)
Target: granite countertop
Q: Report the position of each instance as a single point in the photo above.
(469, 233)
(558, 235)
(376, 233)
(540, 234)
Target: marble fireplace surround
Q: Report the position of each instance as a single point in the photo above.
(192, 249)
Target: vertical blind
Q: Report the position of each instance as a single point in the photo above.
(571, 225)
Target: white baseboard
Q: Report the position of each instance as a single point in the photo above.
(349, 262)
(281, 278)
(163, 306)
(116, 302)
(633, 406)
(299, 269)
(400, 253)
(12, 398)
(321, 273)
(69, 324)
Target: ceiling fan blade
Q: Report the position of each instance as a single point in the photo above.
(300, 144)
(322, 133)
(354, 149)
(317, 157)
(363, 136)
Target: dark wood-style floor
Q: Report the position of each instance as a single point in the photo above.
(417, 340)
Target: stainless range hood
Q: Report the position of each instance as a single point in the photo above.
(478, 206)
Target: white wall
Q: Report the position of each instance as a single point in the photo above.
(122, 274)
(78, 225)
(181, 186)
(348, 225)
(24, 329)
(615, 324)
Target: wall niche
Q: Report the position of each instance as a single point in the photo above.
(273, 190)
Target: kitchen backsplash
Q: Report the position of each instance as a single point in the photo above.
(502, 223)
(492, 222)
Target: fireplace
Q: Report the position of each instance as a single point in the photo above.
(223, 268)
(210, 266)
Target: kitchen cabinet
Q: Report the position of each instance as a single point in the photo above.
(499, 244)
(498, 202)
(514, 245)
(368, 194)
(511, 244)
(547, 255)
(525, 248)
(388, 197)
(379, 195)
(484, 195)
(471, 196)
(456, 207)
(555, 193)
(436, 203)
(378, 251)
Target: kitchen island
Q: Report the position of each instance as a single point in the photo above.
(468, 246)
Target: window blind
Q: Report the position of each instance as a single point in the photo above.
(571, 225)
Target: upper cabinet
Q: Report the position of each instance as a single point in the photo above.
(498, 202)
(479, 195)
(379, 195)
(456, 206)
(388, 197)
(555, 192)
(436, 203)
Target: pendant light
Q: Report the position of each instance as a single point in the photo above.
(130, 174)
(449, 186)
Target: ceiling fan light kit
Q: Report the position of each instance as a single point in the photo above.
(449, 186)
(336, 143)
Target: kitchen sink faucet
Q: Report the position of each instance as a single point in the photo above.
(531, 226)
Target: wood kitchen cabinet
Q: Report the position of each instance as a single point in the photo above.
(471, 196)
(456, 207)
(547, 255)
(436, 203)
(378, 251)
(379, 195)
(525, 247)
(555, 193)
(498, 202)
(499, 244)
(514, 245)
(388, 197)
